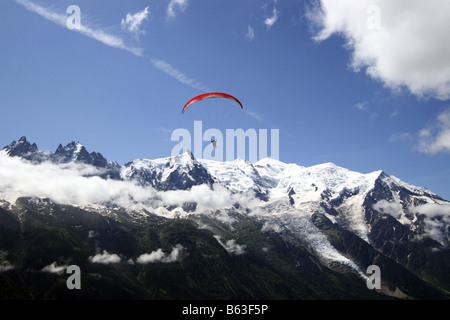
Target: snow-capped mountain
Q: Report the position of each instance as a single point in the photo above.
(72, 152)
(174, 173)
(330, 211)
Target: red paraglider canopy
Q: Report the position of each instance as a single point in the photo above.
(208, 96)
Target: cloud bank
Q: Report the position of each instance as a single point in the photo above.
(403, 44)
(78, 184)
(72, 184)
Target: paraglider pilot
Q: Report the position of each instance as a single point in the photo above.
(213, 141)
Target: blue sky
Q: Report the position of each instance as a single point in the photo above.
(363, 84)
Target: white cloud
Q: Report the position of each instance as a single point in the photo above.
(436, 137)
(181, 4)
(270, 226)
(105, 258)
(133, 22)
(77, 184)
(160, 256)
(69, 184)
(205, 197)
(231, 246)
(53, 268)
(44, 12)
(250, 35)
(178, 75)
(269, 22)
(392, 208)
(96, 34)
(5, 266)
(109, 39)
(437, 219)
(433, 210)
(403, 44)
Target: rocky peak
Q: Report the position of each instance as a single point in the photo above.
(21, 148)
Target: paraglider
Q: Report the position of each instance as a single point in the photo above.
(208, 96)
(211, 121)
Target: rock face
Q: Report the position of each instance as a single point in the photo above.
(21, 148)
(284, 230)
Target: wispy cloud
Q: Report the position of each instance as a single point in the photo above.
(435, 138)
(401, 137)
(96, 34)
(162, 129)
(269, 22)
(180, 4)
(393, 114)
(57, 18)
(432, 139)
(250, 35)
(133, 22)
(255, 116)
(178, 75)
(361, 106)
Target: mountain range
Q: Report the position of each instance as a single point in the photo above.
(187, 228)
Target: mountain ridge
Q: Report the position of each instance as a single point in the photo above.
(340, 217)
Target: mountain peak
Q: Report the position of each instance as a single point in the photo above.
(71, 146)
(187, 155)
(73, 151)
(21, 148)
